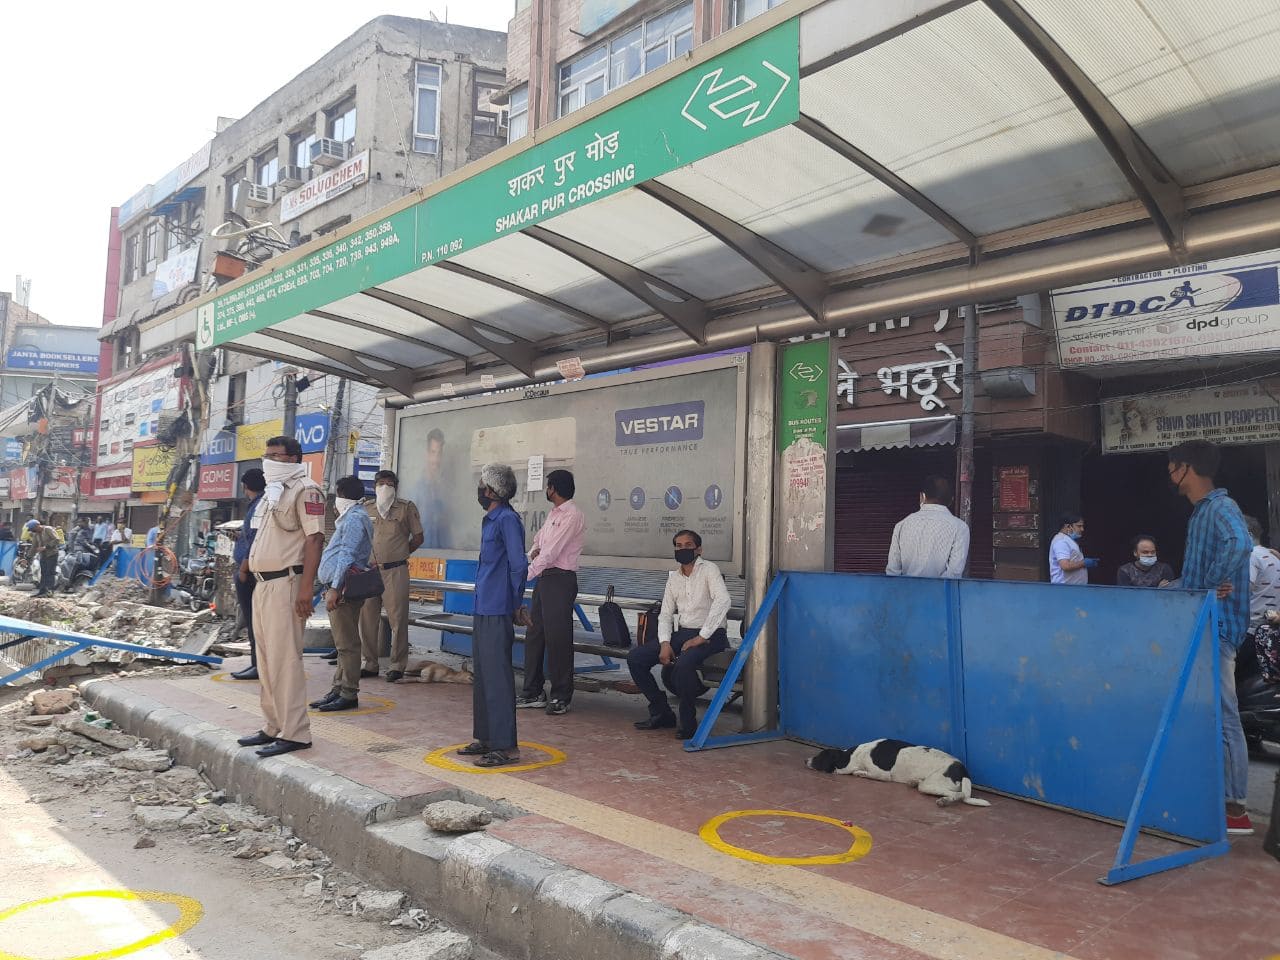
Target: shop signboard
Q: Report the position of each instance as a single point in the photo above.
(745, 92)
(1236, 414)
(61, 483)
(804, 411)
(314, 462)
(320, 190)
(219, 447)
(47, 347)
(176, 272)
(1219, 308)
(217, 481)
(312, 431)
(12, 448)
(113, 483)
(130, 410)
(251, 439)
(651, 454)
(151, 466)
(21, 483)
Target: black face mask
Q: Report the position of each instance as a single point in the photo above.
(550, 498)
(684, 557)
(483, 499)
(1175, 485)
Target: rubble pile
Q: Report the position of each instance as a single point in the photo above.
(57, 746)
(114, 610)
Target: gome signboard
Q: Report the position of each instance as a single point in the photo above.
(749, 90)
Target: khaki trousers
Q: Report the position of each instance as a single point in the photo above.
(344, 622)
(278, 633)
(395, 599)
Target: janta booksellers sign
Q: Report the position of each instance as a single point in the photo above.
(1244, 413)
(1203, 309)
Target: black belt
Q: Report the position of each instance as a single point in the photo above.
(262, 576)
(393, 564)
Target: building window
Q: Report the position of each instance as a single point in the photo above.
(518, 118)
(236, 388)
(233, 190)
(300, 148)
(645, 47)
(744, 10)
(341, 121)
(151, 246)
(267, 167)
(486, 119)
(132, 257)
(426, 108)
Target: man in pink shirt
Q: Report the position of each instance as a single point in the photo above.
(553, 564)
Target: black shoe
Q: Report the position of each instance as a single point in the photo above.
(332, 663)
(281, 746)
(656, 723)
(538, 700)
(327, 698)
(392, 675)
(685, 734)
(368, 673)
(338, 703)
(255, 740)
(39, 593)
(557, 708)
(248, 673)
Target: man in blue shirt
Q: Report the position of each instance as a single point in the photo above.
(251, 486)
(500, 580)
(350, 545)
(1217, 558)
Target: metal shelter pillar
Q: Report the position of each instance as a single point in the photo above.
(760, 685)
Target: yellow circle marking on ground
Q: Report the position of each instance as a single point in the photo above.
(440, 758)
(710, 833)
(189, 913)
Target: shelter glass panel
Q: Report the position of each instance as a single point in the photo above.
(396, 320)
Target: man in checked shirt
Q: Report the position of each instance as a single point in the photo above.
(553, 563)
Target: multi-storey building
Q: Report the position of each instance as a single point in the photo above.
(395, 106)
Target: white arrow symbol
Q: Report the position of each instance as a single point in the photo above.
(733, 96)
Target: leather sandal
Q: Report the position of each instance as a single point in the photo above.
(497, 758)
(473, 749)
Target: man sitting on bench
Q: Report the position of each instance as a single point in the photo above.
(697, 595)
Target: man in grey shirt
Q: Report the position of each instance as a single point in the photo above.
(932, 542)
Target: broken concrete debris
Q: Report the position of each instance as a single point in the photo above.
(452, 816)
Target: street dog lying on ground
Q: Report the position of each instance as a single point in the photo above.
(931, 771)
(428, 671)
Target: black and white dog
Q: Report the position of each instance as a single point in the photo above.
(931, 771)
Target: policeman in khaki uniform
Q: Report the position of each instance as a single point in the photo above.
(397, 532)
(284, 560)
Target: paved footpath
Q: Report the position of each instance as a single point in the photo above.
(716, 835)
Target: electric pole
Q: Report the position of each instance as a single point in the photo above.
(290, 401)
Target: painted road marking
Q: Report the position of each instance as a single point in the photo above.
(189, 913)
(441, 759)
(710, 834)
(932, 934)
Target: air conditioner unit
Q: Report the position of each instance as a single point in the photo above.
(256, 195)
(329, 153)
(293, 177)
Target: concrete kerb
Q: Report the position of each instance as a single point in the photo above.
(512, 899)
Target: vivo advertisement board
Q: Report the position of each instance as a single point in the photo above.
(651, 454)
(1210, 309)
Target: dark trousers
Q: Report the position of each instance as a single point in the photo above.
(493, 695)
(48, 570)
(1271, 842)
(551, 634)
(244, 594)
(684, 675)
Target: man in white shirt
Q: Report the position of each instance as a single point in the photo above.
(697, 595)
(1067, 564)
(932, 542)
(1264, 577)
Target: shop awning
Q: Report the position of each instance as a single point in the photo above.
(887, 434)
(173, 204)
(862, 159)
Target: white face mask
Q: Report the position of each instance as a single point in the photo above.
(276, 472)
(342, 504)
(385, 496)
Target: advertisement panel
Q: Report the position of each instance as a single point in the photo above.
(320, 190)
(217, 481)
(67, 349)
(650, 455)
(314, 462)
(61, 482)
(176, 272)
(113, 483)
(804, 406)
(312, 431)
(1200, 310)
(219, 447)
(130, 411)
(1242, 413)
(20, 483)
(251, 439)
(151, 466)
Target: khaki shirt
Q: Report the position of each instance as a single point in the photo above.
(391, 534)
(283, 532)
(46, 539)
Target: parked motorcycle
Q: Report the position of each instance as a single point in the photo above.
(1259, 701)
(22, 565)
(197, 585)
(76, 569)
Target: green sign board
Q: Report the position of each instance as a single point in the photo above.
(743, 93)
(803, 395)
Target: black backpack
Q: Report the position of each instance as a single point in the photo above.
(613, 624)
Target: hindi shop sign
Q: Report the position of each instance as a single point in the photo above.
(151, 467)
(218, 481)
(331, 184)
(1243, 413)
(1204, 309)
(745, 92)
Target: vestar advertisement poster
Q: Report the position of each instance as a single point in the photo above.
(651, 454)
